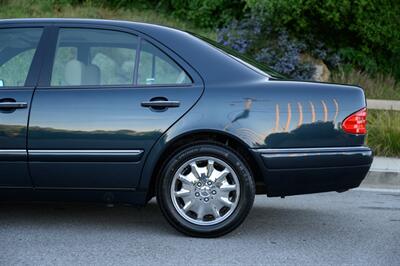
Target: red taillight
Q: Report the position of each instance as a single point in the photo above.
(356, 123)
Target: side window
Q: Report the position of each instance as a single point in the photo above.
(94, 57)
(116, 64)
(17, 48)
(155, 67)
(64, 55)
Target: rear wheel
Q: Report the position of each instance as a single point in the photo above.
(206, 190)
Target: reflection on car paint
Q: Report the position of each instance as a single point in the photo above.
(285, 124)
(312, 112)
(300, 114)
(244, 114)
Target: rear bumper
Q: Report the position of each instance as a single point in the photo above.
(311, 170)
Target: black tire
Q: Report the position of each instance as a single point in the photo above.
(238, 165)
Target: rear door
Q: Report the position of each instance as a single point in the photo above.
(18, 68)
(106, 97)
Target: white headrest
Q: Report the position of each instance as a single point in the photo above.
(73, 73)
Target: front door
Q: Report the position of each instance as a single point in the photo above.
(17, 52)
(109, 97)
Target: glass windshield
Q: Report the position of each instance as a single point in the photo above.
(246, 60)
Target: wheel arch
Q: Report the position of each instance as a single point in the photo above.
(168, 146)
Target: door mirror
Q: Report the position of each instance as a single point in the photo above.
(1, 83)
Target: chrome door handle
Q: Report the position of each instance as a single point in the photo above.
(161, 104)
(13, 105)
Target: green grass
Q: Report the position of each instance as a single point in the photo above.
(380, 86)
(384, 132)
(90, 9)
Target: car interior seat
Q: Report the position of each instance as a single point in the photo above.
(77, 73)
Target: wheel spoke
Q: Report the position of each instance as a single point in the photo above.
(221, 175)
(226, 187)
(200, 212)
(210, 168)
(182, 193)
(226, 202)
(187, 206)
(215, 211)
(186, 179)
(195, 170)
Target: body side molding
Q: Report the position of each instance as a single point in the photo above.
(13, 155)
(318, 150)
(85, 155)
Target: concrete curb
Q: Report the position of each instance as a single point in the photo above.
(385, 164)
(383, 104)
(382, 179)
(384, 172)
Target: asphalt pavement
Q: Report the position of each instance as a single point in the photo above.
(359, 227)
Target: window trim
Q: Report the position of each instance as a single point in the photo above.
(105, 87)
(45, 77)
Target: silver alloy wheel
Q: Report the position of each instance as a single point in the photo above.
(205, 190)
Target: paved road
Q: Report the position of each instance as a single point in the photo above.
(356, 227)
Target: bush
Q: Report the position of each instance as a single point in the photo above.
(365, 32)
(275, 47)
(202, 13)
(117, 4)
(206, 13)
